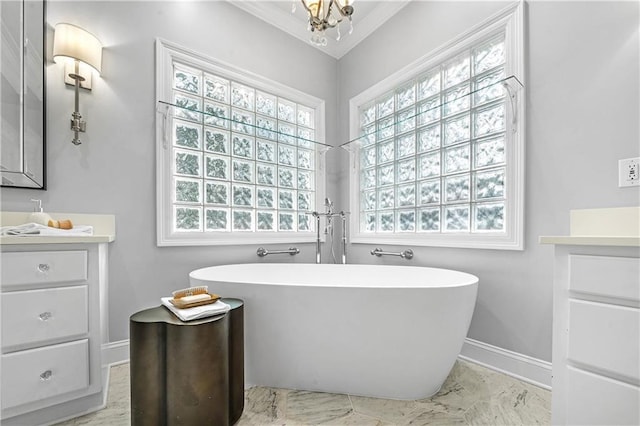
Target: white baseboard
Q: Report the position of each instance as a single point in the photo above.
(115, 352)
(522, 367)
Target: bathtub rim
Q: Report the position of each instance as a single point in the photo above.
(466, 279)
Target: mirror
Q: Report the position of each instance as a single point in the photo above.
(22, 91)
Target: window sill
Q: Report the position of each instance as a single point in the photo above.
(224, 239)
(489, 241)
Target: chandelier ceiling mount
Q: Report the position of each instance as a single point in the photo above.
(326, 14)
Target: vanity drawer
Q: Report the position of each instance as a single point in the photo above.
(605, 337)
(41, 373)
(597, 400)
(43, 267)
(605, 276)
(33, 316)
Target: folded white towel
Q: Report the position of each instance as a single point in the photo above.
(197, 312)
(35, 229)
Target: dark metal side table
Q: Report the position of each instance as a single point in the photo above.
(187, 373)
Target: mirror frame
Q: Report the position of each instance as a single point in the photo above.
(30, 169)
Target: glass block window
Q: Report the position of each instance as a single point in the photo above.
(240, 156)
(435, 159)
(240, 166)
(436, 153)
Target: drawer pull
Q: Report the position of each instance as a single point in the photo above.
(45, 316)
(44, 267)
(46, 376)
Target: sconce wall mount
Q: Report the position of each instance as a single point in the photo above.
(82, 54)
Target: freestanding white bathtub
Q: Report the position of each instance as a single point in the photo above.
(371, 330)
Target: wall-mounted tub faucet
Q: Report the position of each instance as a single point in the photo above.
(328, 230)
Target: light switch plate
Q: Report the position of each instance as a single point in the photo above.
(629, 172)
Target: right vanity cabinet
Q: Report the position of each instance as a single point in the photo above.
(596, 319)
(596, 336)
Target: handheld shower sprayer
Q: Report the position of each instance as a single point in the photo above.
(329, 205)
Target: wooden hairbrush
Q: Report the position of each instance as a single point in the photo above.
(193, 296)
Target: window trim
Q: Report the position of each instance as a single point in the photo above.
(166, 53)
(511, 21)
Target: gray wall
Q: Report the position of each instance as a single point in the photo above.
(582, 117)
(113, 171)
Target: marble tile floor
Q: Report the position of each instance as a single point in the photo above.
(472, 395)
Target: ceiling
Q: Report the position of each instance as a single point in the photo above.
(368, 15)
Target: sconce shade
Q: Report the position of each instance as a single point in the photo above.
(72, 42)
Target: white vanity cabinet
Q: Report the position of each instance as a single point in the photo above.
(596, 336)
(53, 309)
(596, 319)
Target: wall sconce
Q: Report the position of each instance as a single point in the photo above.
(81, 52)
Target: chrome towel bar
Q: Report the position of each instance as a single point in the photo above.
(262, 252)
(407, 254)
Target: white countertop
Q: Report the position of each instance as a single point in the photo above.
(592, 240)
(104, 228)
(619, 226)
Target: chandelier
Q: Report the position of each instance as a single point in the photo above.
(325, 14)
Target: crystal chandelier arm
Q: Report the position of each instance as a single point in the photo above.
(304, 4)
(319, 7)
(329, 19)
(329, 9)
(338, 6)
(346, 10)
(322, 12)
